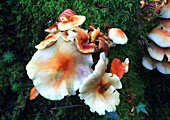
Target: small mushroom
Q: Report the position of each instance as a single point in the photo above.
(160, 36)
(99, 89)
(34, 93)
(71, 22)
(118, 68)
(53, 29)
(148, 62)
(157, 52)
(95, 34)
(82, 41)
(126, 65)
(163, 67)
(49, 41)
(118, 36)
(59, 70)
(67, 14)
(165, 11)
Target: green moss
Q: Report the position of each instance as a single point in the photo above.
(22, 27)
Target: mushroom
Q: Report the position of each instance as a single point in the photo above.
(166, 23)
(165, 11)
(82, 41)
(99, 89)
(69, 35)
(95, 34)
(59, 70)
(148, 62)
(160, 36)
(118, 67)
(118, 36)
(49, 41)
(66, 13)
(34, 93)
(126, 65)
(71, 22)
(53, 29)
(158, 53)
(163, 67)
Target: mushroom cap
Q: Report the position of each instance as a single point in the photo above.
(126, 65)
(66, 13)
(117, 68)
(49, 41)
(53, 28)
(99, 89)
(71, 22)
(157, 52)
(148, 62)
(118, 36)
(69, 35)
(34, 93)
(82, 41)
(59, 70)
(163, 67)
(165, 11)
(95, 34)
(166, 23)
(160, 36)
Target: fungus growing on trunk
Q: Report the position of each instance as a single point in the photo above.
(99, 89)
(59, 70)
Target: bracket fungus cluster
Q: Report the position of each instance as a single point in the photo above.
(63, 64)
(159, 48)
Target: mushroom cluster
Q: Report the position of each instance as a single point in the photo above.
(159, 48)
(63, 64)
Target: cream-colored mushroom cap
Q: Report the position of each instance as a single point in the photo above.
(160, 36)
(148, 62)
(163, 67)
(59, 70)
(49, 41)
(71, 22)
(118, 36)
(99, 89)
(165, 11)
(157, 52)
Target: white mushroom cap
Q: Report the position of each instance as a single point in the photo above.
(160, 36)
(163, 67)
(157, 52)
(126, 65)
(165, 11)
(148, 62)
(99, 89)
(118, 36)
(59, 70)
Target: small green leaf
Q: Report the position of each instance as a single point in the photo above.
(141, 108)
(112, 115)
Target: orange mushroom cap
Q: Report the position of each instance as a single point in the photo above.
(95, 34)
(157, 52)
(160, 36)
(66, 13)
(59, 70)
(99, 89)
(118, 36)
(34, 93)
(53, 28)
(82, 41)
(117, 68)
(71, 22)
(49, 41)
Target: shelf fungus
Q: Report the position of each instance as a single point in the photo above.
(59, 70)
(99, 89)
(160, 36)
